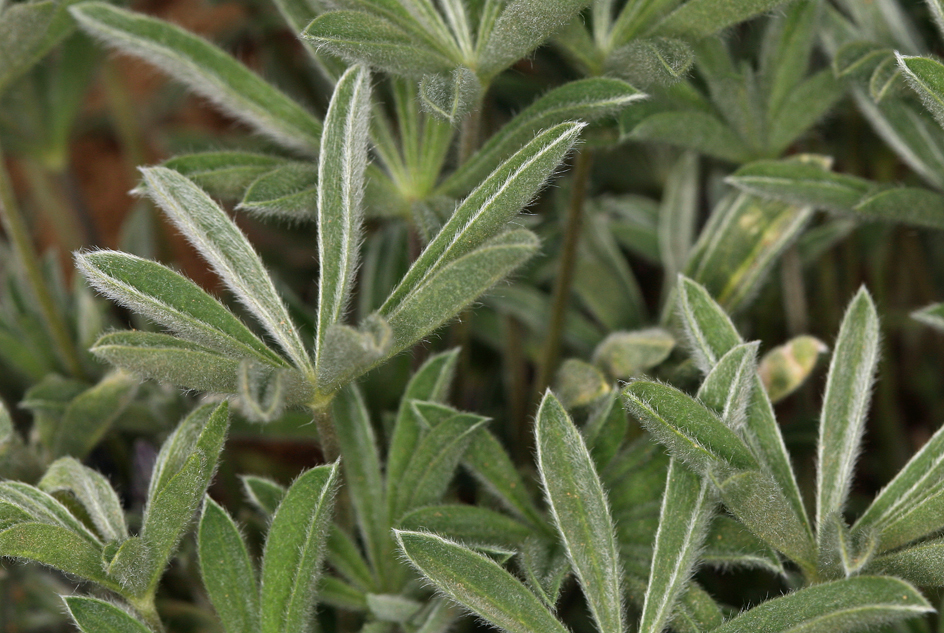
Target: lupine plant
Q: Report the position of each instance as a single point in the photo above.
(319, 427)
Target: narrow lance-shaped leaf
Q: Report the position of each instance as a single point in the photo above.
(28, 32)
(845, 405)
(92, 615)
(687, 506)
(585, 99)
(225, 174)
(728, 386)
(206, 69)
(88, 417)
(478, 583)
(467, 524)
(580, 511)
(843, 606)
(699, 18)
(926, 78)
(57, 547)
(341, 167)
(294, 549)
(168, 298)
(933, 315)
(43, 508)
(288, 192)
(487, 209)
(920, 564)
(678, 214)
(93, 491)
(227, 571)
(228, 251)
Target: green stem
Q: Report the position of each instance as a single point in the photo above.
(148, 612)
(15, 226)
(327, 436)
(565, 273)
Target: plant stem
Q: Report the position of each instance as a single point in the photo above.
(565, 273)
(148, 612)
(17, 232)
(327, 436)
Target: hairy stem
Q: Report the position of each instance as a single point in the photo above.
(148, 612)
(15, 226)
(327, 436)
(565, 271)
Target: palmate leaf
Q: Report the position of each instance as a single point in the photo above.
(206, 69)
(341, 166)
(845, 405)
(293, 551)
(580, 511)
(477, 583)
(224, 246)
(227, 571)
(848, 605)
(585, 99)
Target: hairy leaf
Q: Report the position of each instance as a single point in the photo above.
(225, 174)
(92, 615)
(90, 489)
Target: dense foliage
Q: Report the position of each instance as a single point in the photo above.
(435, 315)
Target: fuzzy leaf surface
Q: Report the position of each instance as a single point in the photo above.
(288, 192)
(294, 549)
(57, 547)
(224, 246)
(700, 18)
(93, 491)
(466, 524)
(933, 315)
(92, 615)
(580, 511)
(478, 583)
(225, 174)
(28, 32)
(205, 69)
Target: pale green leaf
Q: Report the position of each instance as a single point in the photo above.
(605, 429)
(626, 354)
(28, 32)
(579, 508)
(578, 384)
(848, 605)
(207, 70)
(727, 387)
(263, 493)
(687, 507)
(937, 12)
(225, 174)
(452, 96)
(926, 78)
(932, 315)
(228, 251)
(288, 192)
(43, 508)
(57, 547)
(652, 61)
(784, 368)
(701, 18)
(90, 489)
(467, 524)
(362, 475)
(730, 546)
(92, 615)
(545, 566)
(919, 564)
(691, 431)
(858, 59)
(523, 26)
(678, 215)
(392, 608)
(478, 583)
(845, 405)
(156, 292)
(343, 553)
(588, 100)
(227, 571)
(692, 129)
(294, 549)
(341, 166)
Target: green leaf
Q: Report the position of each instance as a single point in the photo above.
(491, 465)
(206, 69)
(845, 406)
(336, 593)
(431, 382)
(227, 571)
(169, 359)
(225, 174)
(926, 78)
(605, 429)
(452, 96)
(92, 615)
(729, 545)
(28, 32)
(919, 515)
(652, 61)
(919, 564)
(709, 329)
(434, 461)
(89, 416)
(344, 555)
(164, 296)
(784, 368)
(288, 192)
(626, 354)
(700, 18)
(687, 507)
(361, 464)
(727, 387)
(579, 508)
(294, 549)
(523, 26)
(58, 547)
(392, 608)
(578, 384)
(678, 215)
(691, 431)
(263, 493)
(399, 48)
(450, 288)
(853, 604)
(858, 59)
(477, 583)
(43, 508)
(341, 167)
(937, 12)
(692, 129)
(932, 315)
(908, 205)
(182, 472)
(785, 52)
(90, 489)
(588, 100)
(467, 524)
(487, 210)
(545, 567)
(743, 239)
(224, 246)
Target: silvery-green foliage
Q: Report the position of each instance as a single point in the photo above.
(28, 31)
(450, 97)
(92, 615)
(933, 315)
